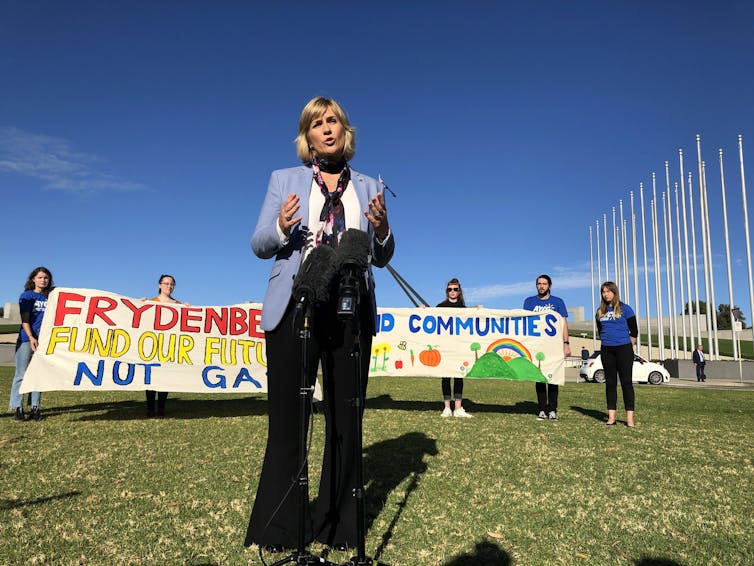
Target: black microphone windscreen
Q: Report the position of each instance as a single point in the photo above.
(354, 249)
(313, 279)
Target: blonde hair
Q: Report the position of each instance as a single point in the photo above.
(615, 303)
(314, 109)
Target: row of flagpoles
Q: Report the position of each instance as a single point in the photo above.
(675, 243)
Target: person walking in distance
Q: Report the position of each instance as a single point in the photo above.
(547, 393)
(700, 361)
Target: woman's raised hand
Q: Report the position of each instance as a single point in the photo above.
(287, 217)
(377, 216)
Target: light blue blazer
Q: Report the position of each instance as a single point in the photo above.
(266, 243)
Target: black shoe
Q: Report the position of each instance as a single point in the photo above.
(20, 416)
(35, 414)
(340, 546)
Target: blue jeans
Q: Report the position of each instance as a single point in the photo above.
(23, 357)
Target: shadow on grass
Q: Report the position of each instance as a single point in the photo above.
(652, 561)
(387, 402)
(386, 465)
(485, 554)
(594, 413)
(13, 503)
(176, 408)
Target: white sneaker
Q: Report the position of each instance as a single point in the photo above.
(460, 412)
(542, 416)
(553, 416)
(446, 412)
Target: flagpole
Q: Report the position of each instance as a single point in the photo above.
(626, 271)
(670, 262)
(705, 257)
(636, 269)
(594, 309)
(626, 289)
(658, 285)
(727, 253)
(668, 274)
(680, 269)
(604, 233)
(746, 232)
(688, 305)
(712, 295)
(646, 275)
(599, 254)
(694, 262)
(616, 264)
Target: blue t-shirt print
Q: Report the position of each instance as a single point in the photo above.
(34, 304)
(614, 330)
(553, 303)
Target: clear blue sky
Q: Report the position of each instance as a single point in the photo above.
(137, 138)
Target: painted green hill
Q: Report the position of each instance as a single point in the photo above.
(492, 365)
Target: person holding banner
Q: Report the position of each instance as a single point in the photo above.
(32, 304)
(453, 298)
(547, 393)
(308, 206)
(165, 288)
(617, 327)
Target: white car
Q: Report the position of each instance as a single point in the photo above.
(643, 371)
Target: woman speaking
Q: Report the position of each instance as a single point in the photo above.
(308, 206)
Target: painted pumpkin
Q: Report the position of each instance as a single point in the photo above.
(430, 357)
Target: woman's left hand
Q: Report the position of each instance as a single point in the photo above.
(377, 216)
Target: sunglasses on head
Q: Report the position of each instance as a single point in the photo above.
(456, 289)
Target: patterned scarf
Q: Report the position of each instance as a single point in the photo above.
(332, 216)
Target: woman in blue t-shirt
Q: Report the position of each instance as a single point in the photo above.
(32, 304)
(616, 323)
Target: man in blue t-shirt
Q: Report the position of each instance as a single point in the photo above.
(547, 393)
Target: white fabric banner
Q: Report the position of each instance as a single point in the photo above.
(469, 342)
(95, 340)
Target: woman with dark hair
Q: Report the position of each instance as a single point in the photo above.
(453, 298)
(616, 324)
(308, 206)
(32, 304)
(165, 287)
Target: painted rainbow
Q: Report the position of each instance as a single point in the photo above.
(509, 349)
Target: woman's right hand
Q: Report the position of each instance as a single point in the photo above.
(287, 217)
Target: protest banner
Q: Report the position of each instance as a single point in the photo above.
(96, 340)
(469, 343)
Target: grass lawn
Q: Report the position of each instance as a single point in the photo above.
(97, 483)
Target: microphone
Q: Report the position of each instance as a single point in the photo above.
(312, 282)
(353, 256)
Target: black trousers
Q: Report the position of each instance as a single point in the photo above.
(547, 396)
(618, 361)
(274, 518)
(700, 372)
(162, 397)
(457, 388)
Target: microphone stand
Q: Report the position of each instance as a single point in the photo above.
(361, 559)
(301, 556)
